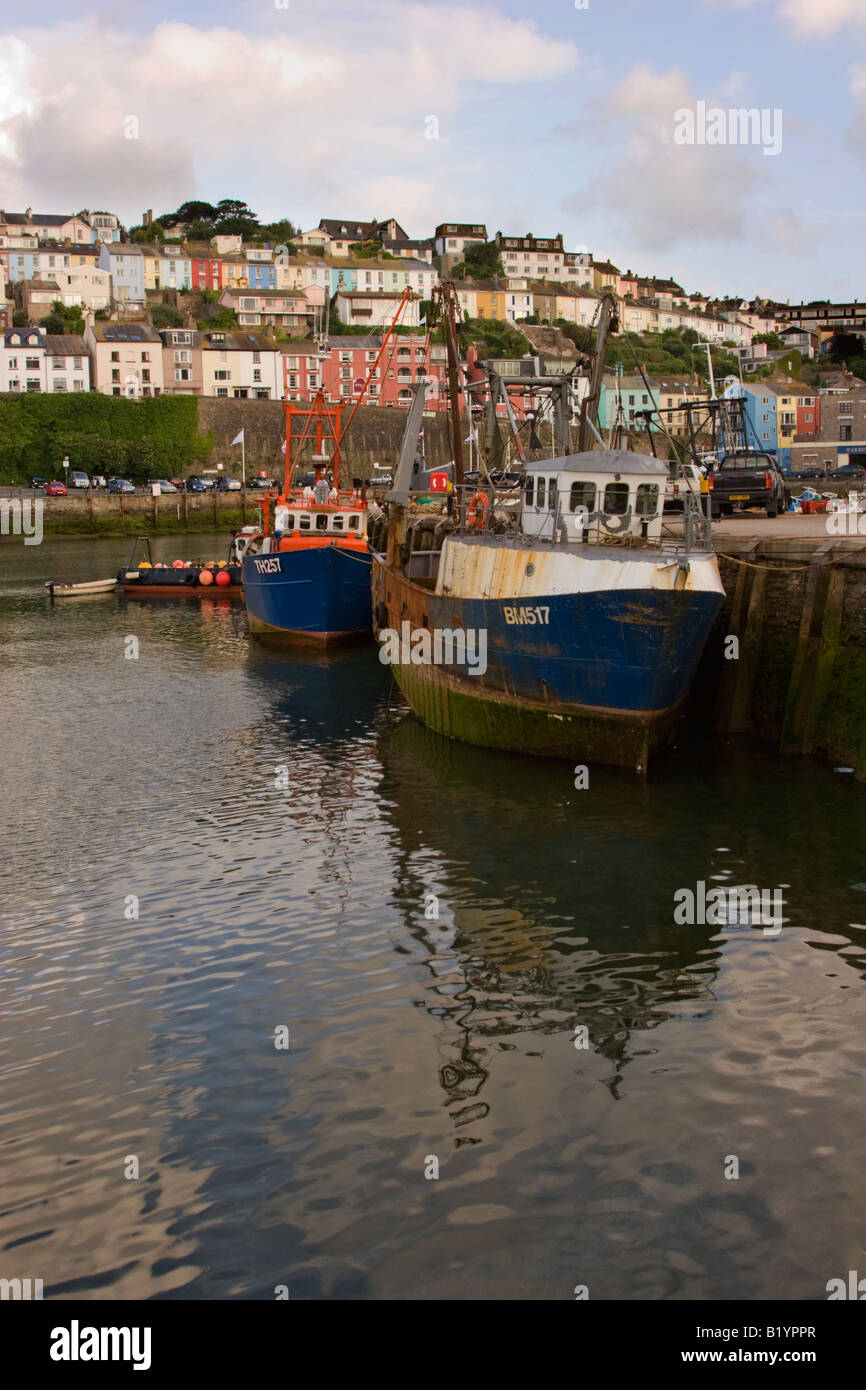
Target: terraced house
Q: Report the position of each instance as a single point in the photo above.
(126, 358)
(240, 366)
(541, 258)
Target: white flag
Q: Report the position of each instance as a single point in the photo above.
(239, 438)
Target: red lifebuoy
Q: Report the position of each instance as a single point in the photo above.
(479, 502)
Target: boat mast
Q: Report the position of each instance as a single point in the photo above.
(608, 322)
(449, 302)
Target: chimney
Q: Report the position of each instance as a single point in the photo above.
(28, 215)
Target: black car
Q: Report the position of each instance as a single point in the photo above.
(807, 473)
(848, 470)
(38, 482)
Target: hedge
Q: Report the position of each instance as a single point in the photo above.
(140, 439)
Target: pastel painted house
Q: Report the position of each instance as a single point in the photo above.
(125, 264)
(375, 308)
(240, 366)
(286, 309)
(126, 358)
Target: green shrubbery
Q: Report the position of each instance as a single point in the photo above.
(138, 439)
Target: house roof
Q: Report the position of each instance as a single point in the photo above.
(65, 345)
(606, 268)
(396, 293)
(132, 332)
(235, 341)
(123, 248)
(36, 219)
(359, 231)
(238, 292)
(464, 229)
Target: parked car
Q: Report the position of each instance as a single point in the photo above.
(38, 482)
(848, 470)
(263, 483)
(196, 484)
(177, 483)
(165, 485)
(228, 485)
(807, 473)
(78, 480)
(750, 478)
(120, 485)
(55, 489)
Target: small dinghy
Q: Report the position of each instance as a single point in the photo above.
(93, 586)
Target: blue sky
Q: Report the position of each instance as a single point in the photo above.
(550, 118)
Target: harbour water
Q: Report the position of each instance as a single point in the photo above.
(210, 849)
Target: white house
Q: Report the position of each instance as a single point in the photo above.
(241, 366)
(376, 308)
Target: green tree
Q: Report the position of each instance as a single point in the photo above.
(845, 345)
(191, 212)
(223, 319)
(481, 261)
(200, 230)
(773, 341)
(53, 323)
(150, 235)
(166, 316)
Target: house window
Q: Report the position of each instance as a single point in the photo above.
(222, 390)
(257, 373)
(12, 364)
(145, 357)
(115, 357)
(845, 431)
(222, 376)
(33, 384)
(145, 375)
(32, 364)
(115, 375)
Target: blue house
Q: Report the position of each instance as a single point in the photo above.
(761, 412)
(262, 275)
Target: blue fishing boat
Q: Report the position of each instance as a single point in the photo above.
(306, 577)
(572, 629)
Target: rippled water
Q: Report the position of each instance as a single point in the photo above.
(412, 1038)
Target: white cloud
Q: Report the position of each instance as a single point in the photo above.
(821, 17)
(289, 121)
(661, 194)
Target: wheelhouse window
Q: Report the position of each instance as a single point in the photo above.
(582, 495)
(354, 522)
(539, 499)
(530, 489)
(321, 523)
(551, 494)
(616, 499)
(647, 499)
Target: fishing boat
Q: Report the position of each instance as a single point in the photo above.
(572, 629)
(83, 590)
(145, 578)
(306, 578)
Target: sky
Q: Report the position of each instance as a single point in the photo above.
(555, 116)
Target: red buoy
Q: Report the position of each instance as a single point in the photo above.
(223, 578)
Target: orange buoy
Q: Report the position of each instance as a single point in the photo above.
(205, 577)
(223, 578)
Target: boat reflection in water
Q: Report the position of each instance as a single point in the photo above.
(554, 911)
